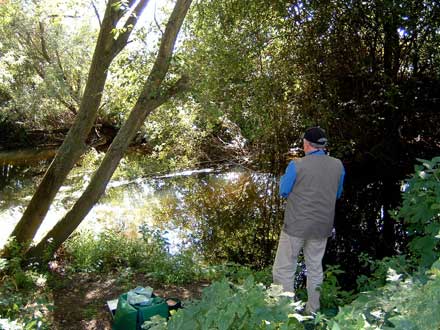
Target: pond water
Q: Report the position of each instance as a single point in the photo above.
(233, 215)
(202, 207)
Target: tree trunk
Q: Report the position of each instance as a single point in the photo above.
(391, 47)
(107, 48)
(150, 98)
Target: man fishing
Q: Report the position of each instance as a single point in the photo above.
(311, 185)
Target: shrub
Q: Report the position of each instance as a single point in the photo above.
(420, 211)
(396, 299)
(24, 299)
(228, 306)
(239, 273)
(149, 253)
(412, 304)
(332, 295)
(111, 249)
(379, 270)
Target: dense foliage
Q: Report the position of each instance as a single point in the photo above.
(420, 211)
(43, 62)
(25, 300)
(113, 251)
(367, 72)
(272, 68)
(403, 303)
(246, 306)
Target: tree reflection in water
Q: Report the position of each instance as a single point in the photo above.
(232, 216)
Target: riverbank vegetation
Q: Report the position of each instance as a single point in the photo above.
(400, 292)
(235, 89)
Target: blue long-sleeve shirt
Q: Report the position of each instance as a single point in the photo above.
(287, 181)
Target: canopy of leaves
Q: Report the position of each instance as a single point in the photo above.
(45, 51)
(365, 71)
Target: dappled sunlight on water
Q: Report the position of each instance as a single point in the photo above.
(176, 203)
(119, 209)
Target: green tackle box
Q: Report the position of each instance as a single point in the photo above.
(131, 317)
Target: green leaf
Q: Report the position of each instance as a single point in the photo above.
(335, 326)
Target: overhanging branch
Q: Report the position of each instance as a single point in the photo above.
(122, 39)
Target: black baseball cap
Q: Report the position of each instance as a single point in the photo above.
(316, 136)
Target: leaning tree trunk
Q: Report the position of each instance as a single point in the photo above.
(74, 145)
(152, 96)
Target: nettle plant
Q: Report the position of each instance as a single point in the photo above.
(420, 211)
(224, 305)
(403, 303)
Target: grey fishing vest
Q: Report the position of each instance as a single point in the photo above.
(310, 208)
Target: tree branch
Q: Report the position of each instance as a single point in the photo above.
(69, 106)
(44, 51)
(155, 20)
(122, 39)
(97, 13)
(163, 59)
(179, 86)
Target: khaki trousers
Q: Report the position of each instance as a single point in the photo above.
(285, 264)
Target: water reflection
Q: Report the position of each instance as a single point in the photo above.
(227, 216)
(234, 215)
